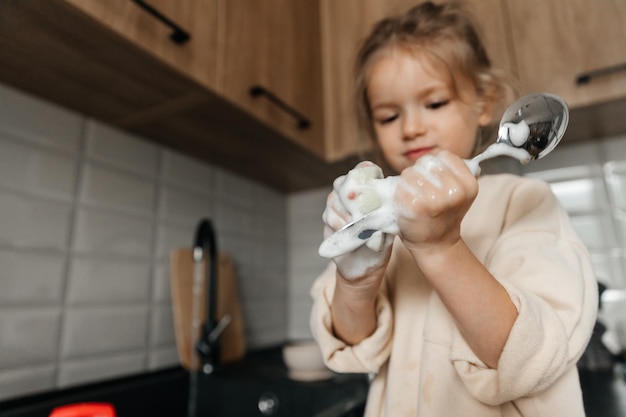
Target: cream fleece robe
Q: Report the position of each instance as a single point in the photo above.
(423, 365)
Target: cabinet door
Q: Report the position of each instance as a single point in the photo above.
(555, 41)
(274, 44)
(345, 24)
(195, 58)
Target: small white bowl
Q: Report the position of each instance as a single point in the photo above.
(304, 361)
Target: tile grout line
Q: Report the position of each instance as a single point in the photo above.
(154, 258)
(69, 252)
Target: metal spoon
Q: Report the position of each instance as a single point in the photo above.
(530, 129)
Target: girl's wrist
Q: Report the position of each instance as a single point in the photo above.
(360, 290)
(353, 308)
(433, 257)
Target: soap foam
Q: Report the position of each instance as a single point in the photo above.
(516, 133)
(428, 166)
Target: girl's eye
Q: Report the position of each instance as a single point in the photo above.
(388, 119)
(437, 104)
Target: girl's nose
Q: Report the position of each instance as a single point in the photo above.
(413, 125)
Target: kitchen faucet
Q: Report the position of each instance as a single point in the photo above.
(208, 344)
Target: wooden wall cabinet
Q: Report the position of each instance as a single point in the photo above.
(195, 58)
(237, 45)
(558, 40)
(274, 45)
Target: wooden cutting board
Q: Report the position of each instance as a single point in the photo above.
(232, 340)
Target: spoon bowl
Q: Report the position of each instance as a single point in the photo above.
(546, 116)
(530, 128)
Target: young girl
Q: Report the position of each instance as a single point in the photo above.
(485, 300)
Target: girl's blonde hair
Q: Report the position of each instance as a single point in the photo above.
(447, 34)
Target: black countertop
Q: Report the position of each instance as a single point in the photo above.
(236, 386)
(246, 388)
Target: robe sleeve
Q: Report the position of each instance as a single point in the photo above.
(547, 272)
(368, 355)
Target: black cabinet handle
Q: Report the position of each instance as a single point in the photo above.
(303, 122)
(178, 35)
(585, 78)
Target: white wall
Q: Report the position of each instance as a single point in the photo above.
(304, 225)
(590, 181)
(88, 216)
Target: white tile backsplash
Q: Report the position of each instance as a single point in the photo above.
(233, 189)
(161, 289)
(37, 170)
(37, 121)
(104, 187)
(581, 194)
(607, 265)
(99, 330)
(615, 174)
(88, 217)
(171, 236)
(34, 223)
(98, 281)
(568, 155)
(233, 219)
(595, 231)
(29, 336)
(619, 221)
(613, 148)
(28, 277)
(26, 380)
(299, 309)
(178, 206)
(122, 149)
(304, 218)
(587, 179)
(103, 232)
(78, 371)
(162, 357)
(162, 326)
(186, 172)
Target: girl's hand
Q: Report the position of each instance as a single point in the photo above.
(341, 209)
(431, 199)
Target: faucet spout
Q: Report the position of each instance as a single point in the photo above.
(205, 248)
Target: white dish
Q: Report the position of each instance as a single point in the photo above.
(304, 361)
(315, 375)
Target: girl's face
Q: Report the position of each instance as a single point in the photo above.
(416, 112)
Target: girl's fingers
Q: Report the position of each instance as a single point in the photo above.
(335, 215)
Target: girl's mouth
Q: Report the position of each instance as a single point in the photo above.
(415, 154)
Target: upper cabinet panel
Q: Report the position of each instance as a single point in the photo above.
(274, 45)
(196, 58)
(558, 40)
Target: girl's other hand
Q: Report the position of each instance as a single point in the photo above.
(431, 198)
(363, 260)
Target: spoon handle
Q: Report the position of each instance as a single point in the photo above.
(495, 150)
